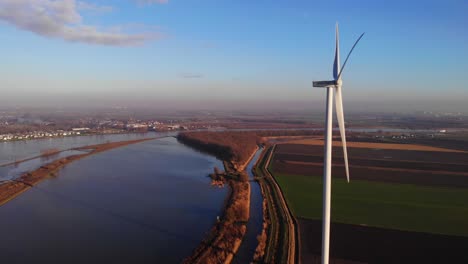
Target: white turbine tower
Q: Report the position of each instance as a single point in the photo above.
(335, 84)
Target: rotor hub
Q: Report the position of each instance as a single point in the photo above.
(339, 82)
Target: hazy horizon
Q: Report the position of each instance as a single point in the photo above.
(255, 106)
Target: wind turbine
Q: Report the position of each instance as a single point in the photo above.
(335, 85)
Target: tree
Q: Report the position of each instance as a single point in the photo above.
(243, 177)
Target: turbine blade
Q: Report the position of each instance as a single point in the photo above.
(336, 63)
(347, 57)
(340, 117)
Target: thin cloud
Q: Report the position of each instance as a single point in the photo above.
(85, 6)
(61, 19)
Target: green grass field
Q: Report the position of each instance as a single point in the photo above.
(396, 206)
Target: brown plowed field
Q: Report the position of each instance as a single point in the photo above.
(378, 245)
(430, 168)
(375, 145)
(383, 154)
(382, 163)
(370, 174)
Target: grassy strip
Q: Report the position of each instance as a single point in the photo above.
(408, 207)
(278, 241)
(270, 221)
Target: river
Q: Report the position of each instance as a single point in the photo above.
(149, 202)
(18, 150)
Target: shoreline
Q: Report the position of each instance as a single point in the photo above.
(12, 189)
(223, 240)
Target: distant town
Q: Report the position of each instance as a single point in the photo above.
(27, 124)
(26, 127)
(107, 127)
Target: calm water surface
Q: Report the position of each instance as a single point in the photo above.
(255, 223)
(18, 150)
(14, 171)
(149, 202)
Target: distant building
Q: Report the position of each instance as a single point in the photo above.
(80, 129)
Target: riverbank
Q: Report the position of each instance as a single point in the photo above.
(224, 239)
(11, 189)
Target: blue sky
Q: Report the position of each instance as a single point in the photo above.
(185, 50)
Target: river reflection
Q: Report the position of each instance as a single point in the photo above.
(149, 202)
(19, 150)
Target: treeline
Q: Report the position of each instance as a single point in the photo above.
(229, 146)
(235, 146)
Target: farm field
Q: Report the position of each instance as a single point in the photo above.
(396, 206)
(406, 201)
(376, 145)
(352, 244)
(430, 168)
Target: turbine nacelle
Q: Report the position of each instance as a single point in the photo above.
(328, 84)
(325, 84)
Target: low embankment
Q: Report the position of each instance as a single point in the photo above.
(235, 149)
(279, 242)
(11, 189)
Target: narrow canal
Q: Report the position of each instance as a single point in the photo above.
(255, 224)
